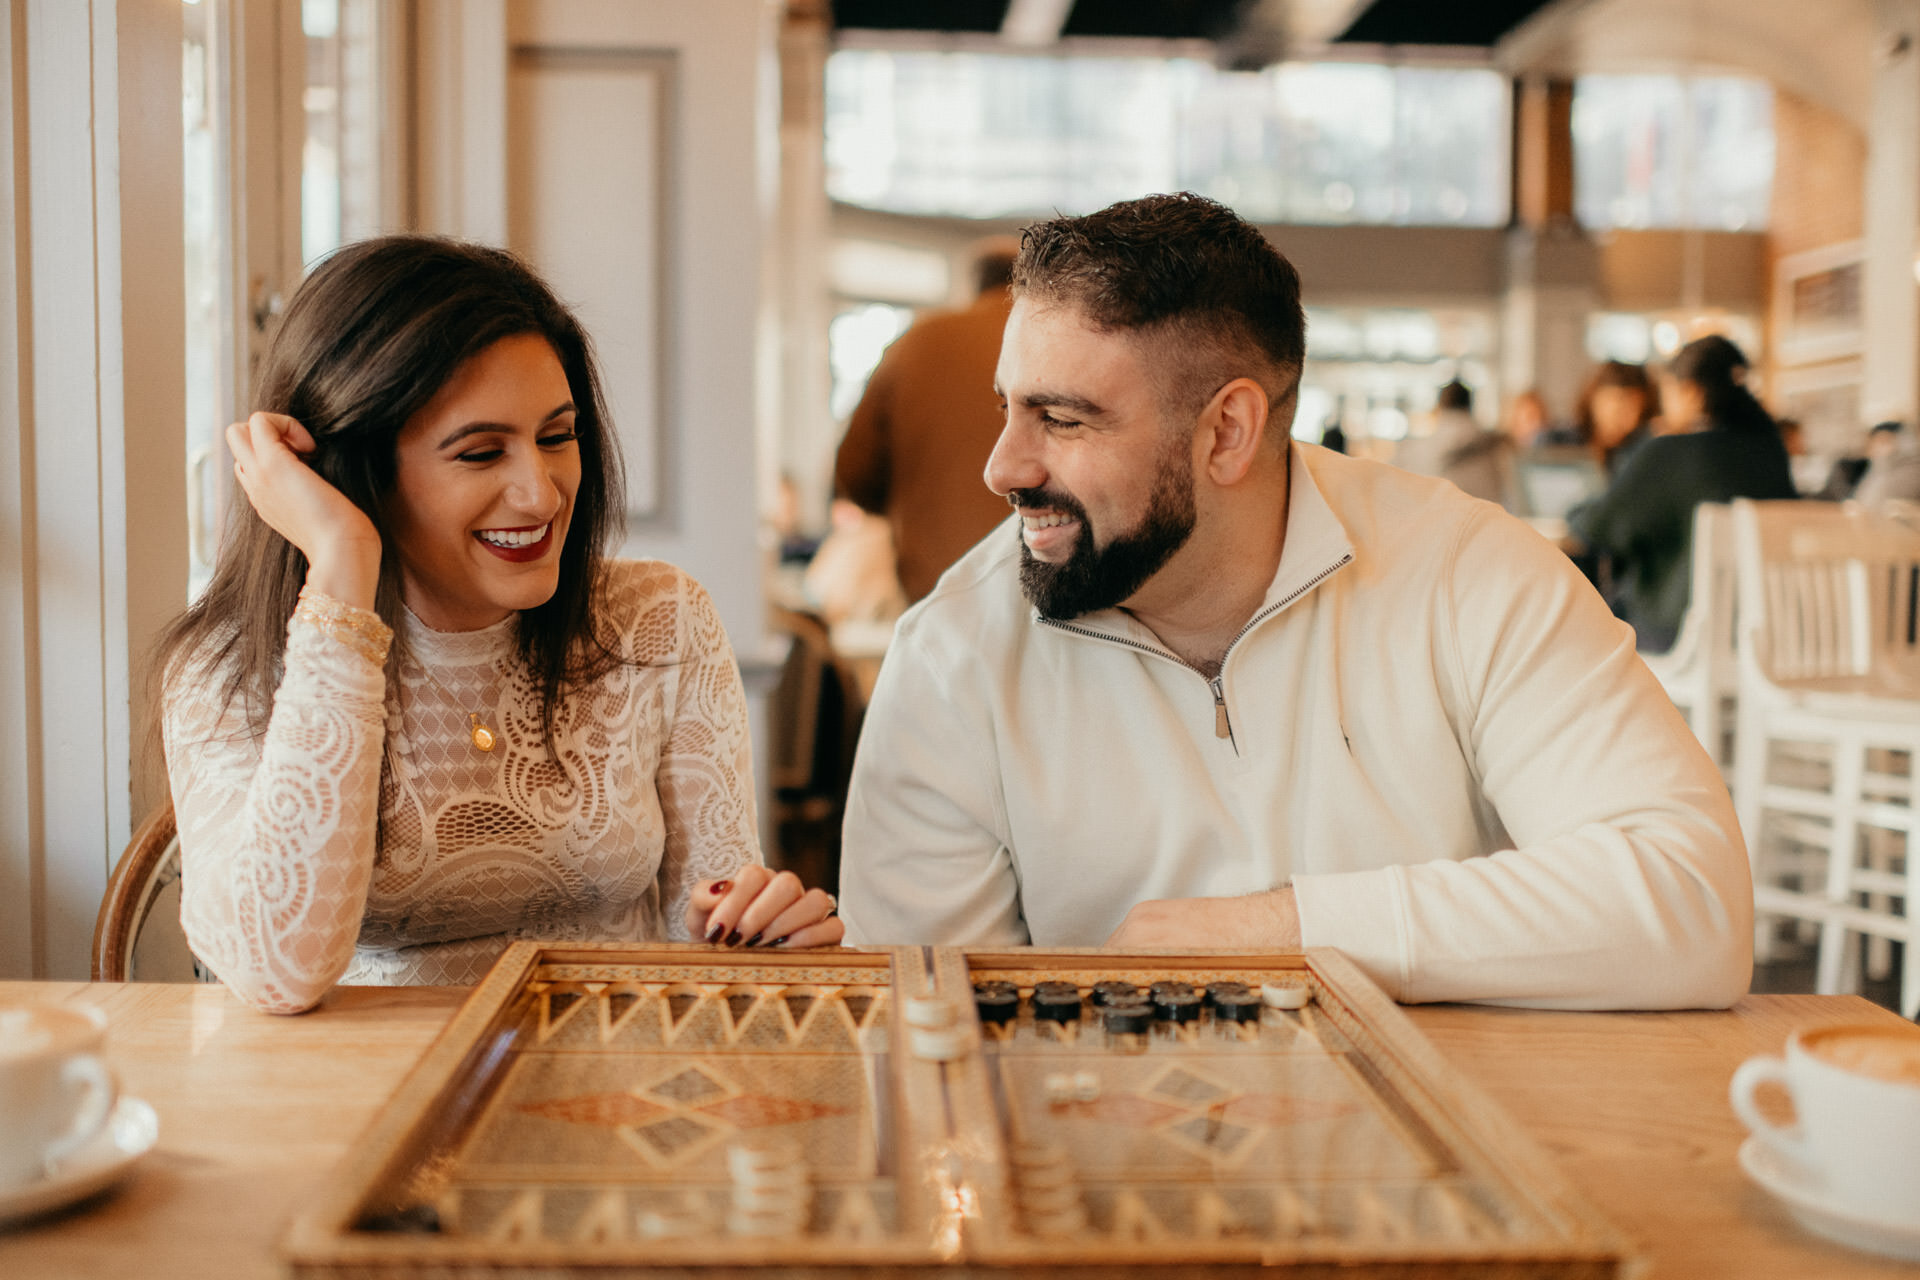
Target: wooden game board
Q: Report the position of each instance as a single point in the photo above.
(619, 1109)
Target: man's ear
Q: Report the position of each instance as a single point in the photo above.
(1238, 415)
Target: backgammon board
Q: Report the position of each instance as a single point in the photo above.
(669, 1110)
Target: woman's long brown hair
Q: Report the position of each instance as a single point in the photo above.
(368, 339)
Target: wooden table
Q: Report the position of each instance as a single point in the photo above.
(254, 1110)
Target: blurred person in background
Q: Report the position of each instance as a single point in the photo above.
(851, 578)
(1478, 462)
(1530, 427)
(1893, 466)
(919, 438)
(1726, 447)
(1616, 412)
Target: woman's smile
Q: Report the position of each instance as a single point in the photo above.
(485, 482)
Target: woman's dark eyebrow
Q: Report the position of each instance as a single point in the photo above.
(477, 428)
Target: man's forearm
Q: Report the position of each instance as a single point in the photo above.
(1268, 920)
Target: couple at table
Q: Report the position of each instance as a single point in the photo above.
(1208, 687)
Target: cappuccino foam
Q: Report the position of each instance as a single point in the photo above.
(1880, 1053)
(30, 1030)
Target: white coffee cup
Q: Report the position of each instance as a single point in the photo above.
(56, 1092)
(1856, 1097)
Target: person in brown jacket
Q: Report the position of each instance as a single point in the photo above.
(917, 443)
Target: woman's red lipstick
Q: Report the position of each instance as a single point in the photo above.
(520, 555)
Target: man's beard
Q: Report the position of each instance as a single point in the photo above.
(1089, 580)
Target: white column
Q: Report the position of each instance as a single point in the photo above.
(1551, 288)
(798, 433)
(1891, 299)
(460, 142)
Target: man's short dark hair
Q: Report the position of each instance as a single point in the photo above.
(1187, 275)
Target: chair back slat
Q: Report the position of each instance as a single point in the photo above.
(1834, 590)
(1714, 582)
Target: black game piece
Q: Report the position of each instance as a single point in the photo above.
(1217, 989)
(1169, 987)
(997, 1001)
(1056, 1001)
(1236, 1006)
(1129, 1018)
(1114, 992)
(1177, 1006)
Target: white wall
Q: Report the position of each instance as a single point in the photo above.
(93, 555)
(718, 163)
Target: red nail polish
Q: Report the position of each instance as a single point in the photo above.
(733, 939)
(713, 934)
(720, 888)
(754, 941)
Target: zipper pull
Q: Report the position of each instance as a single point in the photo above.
(1222, 727)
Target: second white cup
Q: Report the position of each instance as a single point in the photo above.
(56, 1092)
(1856, 1095)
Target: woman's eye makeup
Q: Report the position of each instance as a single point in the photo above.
(481, 453)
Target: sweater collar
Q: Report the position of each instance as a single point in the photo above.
(1317, 546)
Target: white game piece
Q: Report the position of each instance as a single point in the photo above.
(756, 1161)
(931, 1012)
(1284, 995)
(1038, 1155)
(1059, 1087)
(1086, 1086)
(942, 1044)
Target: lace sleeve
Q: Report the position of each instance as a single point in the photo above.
(277, 834)
(706, 767)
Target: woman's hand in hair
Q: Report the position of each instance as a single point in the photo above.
(762, 908)
(340, 543)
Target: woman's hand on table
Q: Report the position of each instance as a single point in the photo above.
(762, 908)
(271, 460)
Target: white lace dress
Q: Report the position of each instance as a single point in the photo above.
(304, 863)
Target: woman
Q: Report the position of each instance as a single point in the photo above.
(417, 713)
(1616, 412)
(1728, 448)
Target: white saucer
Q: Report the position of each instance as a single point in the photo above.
(129, 1135)
(1819, 1214)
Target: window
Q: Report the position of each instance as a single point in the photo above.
(856, 337)
(340, 156)
(1672, 151)
(991, 135)
(245, 241)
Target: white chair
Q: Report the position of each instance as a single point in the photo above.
(1830, 676)
(1699, 673)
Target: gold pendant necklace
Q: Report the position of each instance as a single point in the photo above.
(477, 729)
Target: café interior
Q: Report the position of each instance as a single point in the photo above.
(748, 201)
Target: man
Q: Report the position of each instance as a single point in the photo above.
(1893, 467)
(1455, 448)
(1215, 688)
(924, 426)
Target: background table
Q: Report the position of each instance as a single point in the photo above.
(254, 1111)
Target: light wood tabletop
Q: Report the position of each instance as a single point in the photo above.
(254, 1110)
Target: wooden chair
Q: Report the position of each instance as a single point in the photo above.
(814, 718)
(143, 890)
(1829, 702)
(1700, 673)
